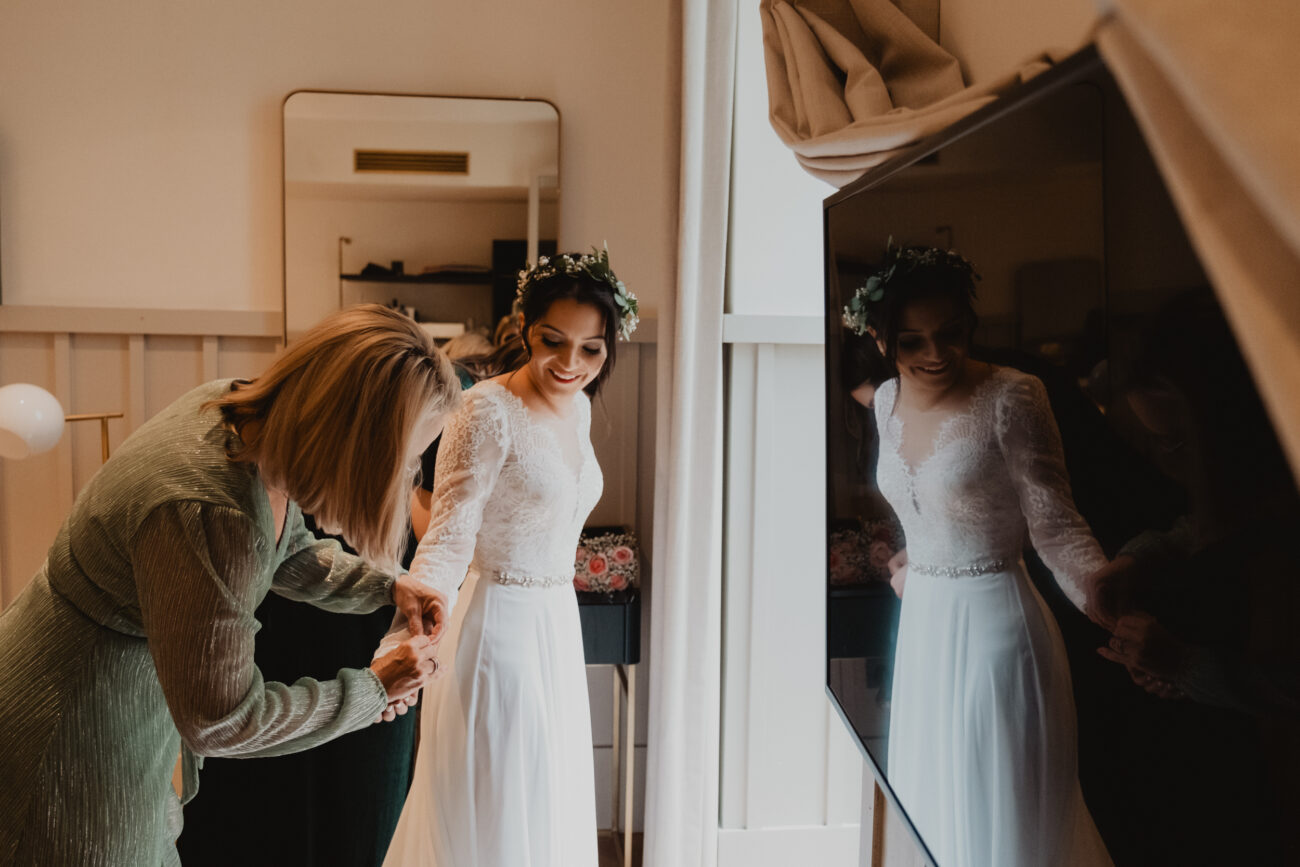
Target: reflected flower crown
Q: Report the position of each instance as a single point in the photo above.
(593, 265)
(900, 262)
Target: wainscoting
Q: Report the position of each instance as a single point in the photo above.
(791, 775)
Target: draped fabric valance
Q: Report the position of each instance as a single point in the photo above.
(851, 82)
(1214, 87)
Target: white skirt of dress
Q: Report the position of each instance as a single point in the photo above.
(504, 773)
(982, 729)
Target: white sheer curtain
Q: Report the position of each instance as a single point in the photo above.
(681, 802)
(1215, 87)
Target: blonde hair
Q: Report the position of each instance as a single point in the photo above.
(469, 343)
(331, 421)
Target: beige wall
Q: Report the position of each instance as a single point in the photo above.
(140, 162)
(140, 141)
(993, 37)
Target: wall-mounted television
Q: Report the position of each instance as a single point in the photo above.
(1088, 283)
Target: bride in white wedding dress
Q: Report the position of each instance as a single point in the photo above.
(504, 773)
(982, 743)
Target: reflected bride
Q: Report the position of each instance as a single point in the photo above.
(982, 749)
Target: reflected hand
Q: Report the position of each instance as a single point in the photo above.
(1152, 655)
(1110, 590)
(425, 609)
(898, 572)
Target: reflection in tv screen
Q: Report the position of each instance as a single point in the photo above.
(1060, 571)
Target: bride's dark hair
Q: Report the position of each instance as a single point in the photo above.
(543, 293)
(911, 275)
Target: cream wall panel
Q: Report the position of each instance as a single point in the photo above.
(245, 357)
(30, 501)
(791, 777)
(100, 383)
(173, 365)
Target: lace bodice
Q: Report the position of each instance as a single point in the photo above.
(996, 471)
(504, 499)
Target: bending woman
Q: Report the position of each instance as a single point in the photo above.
(136, 637)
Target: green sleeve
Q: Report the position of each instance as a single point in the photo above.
(320, 572)
(199, 572)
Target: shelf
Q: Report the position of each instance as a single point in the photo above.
(460, 277)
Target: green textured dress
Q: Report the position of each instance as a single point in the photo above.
(137, 637)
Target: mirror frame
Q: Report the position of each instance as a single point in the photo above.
(284, 257)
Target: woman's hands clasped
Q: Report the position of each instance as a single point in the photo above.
(425, 609)
(406, 667)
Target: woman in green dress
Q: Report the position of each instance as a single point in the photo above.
(134, 642)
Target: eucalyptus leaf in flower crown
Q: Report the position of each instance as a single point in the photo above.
(899, 262)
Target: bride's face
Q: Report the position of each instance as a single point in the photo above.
(932, 344)
(567, 348)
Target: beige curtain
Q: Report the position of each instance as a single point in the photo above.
(852, 82)
(1214, 88)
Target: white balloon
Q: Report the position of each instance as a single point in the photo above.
(31, 420)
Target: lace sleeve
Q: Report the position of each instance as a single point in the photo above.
(473, 450)
(1031, 446)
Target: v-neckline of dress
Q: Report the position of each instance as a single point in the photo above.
(941, 433)
(574, 472)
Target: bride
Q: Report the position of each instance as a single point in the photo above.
(504, 773)
(982, 751)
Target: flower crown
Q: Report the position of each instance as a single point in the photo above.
(899, 262)
(595, 265)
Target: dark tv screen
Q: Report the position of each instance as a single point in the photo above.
(1089, 283)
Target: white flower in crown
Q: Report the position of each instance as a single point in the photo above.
(594, 265)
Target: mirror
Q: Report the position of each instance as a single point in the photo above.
(428, 203)
(1090, 284)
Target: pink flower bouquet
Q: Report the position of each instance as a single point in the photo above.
(861, 554)
(606, 562)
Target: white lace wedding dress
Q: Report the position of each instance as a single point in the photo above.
(982, 742)
(504, 773)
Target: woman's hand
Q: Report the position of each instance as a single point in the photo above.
(898, 572)
(425, 609)
(406, 668)
(398, 708)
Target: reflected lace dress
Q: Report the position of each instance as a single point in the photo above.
(982, 742)
(504, 774)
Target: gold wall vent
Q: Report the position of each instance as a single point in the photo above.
(419, 162)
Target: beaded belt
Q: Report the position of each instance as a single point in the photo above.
(531, 580)
(968, 571)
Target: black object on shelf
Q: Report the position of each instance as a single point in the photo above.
(508, 259)
(611, 627)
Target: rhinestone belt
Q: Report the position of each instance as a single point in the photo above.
(531, 580)
(970, 570)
